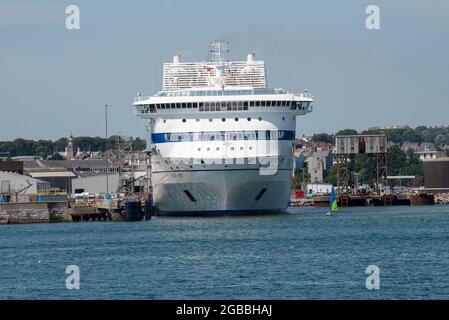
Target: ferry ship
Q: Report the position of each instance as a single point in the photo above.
(221, 139)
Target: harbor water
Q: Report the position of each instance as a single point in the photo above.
(301, 255)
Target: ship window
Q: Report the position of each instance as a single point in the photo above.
(152, 108)
(262, 103)
(257, 103)
(212, 138)
(245, 104)
(292, 106)
(279, 103)
(240, 105)
(179, 138)
(178, 106)
(268, 104)
(283, 118)
(251, 104)
(201, 106)
(189, 105)
(229, 106)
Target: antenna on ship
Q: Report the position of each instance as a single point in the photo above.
(218, 50)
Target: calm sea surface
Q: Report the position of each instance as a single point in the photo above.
(301, 255)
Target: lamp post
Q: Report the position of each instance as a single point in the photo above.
(107, 151)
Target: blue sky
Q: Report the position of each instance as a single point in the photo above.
(53, 81)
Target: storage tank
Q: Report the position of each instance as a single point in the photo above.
(436, 173)
(132, 211)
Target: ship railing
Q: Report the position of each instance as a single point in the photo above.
(141, 98)
(305, 95)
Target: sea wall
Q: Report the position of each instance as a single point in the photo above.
(11, 213)
(442, 198)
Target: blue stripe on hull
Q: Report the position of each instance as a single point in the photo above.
(263, 135)
(220, 213)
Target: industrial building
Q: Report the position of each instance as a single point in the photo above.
(16, 184)
(436, 174)
(11, 166)
(61, 173)
(95, 183)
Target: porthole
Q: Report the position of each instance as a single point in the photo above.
(210, 120)
(283, 118)
(223, 119)
(241, 148)
(250, 148)
(232, 148)
(183, 120)
(197, 120)
(218, 149)
(199, 149)
(260, 118)
(208, 149)
(164, 121)
(249, 119)
(236, 119)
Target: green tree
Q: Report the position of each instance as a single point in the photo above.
(346, 132)
(56, 156)
(323, 137)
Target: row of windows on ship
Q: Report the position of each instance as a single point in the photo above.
(224, 136)
(225, 105)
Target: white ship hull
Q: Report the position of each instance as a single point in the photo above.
(221, 192)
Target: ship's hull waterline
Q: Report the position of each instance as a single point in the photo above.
(221, 192)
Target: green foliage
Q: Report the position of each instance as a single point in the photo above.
(323, 137)
(330, 176)
(346, 132)
(403, 163)
(48, 148)
(56, 156)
